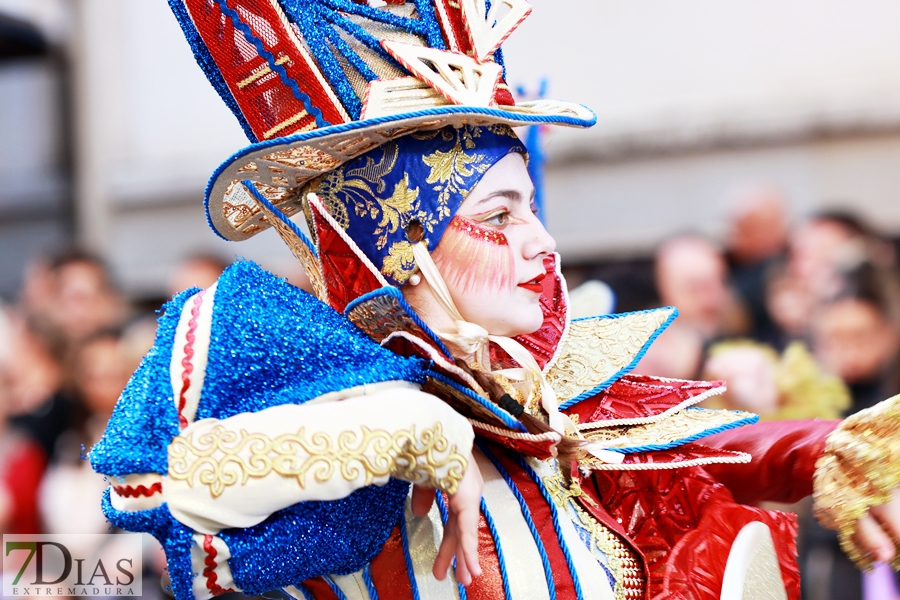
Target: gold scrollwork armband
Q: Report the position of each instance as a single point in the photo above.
(859, 469)
(221, 458)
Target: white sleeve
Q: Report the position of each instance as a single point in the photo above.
(235, 472)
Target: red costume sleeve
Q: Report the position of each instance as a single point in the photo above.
(784, 459)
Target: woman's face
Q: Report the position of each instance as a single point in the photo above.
(492, 254)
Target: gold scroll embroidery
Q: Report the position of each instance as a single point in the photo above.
(859, 469)
(625, 567)
(596, 349)
(222, 458)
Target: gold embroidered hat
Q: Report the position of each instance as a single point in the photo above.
(316, 83)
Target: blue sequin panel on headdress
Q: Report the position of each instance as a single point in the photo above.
(421, 177)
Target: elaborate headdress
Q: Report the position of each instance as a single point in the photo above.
(319, 83)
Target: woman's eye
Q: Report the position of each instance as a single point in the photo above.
(497, 219)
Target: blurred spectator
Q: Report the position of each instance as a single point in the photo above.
(22, 460)
(756, 242)
(857, 337)
(36, 403)
(70, 297)
(69, 493)
(691, 275)
(198, 270)
(824, 251)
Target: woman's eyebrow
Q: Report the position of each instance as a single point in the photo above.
(513, 195)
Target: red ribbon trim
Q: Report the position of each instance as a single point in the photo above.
(186, 362)
(128, 491)
(210, 571)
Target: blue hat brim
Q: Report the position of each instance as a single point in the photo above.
(280, 166)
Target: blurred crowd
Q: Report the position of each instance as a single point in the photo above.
(67, 348)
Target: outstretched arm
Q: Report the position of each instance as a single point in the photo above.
(784, 459)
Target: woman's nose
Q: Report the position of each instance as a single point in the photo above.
(539, 242)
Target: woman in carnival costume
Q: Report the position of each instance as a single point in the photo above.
(433, 405)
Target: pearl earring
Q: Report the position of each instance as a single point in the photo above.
(415, 279)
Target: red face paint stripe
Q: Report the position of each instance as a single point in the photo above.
(478, 232)
(187, 362)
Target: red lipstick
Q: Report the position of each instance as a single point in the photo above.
(535, 285)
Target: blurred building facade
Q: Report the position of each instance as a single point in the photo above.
(694, 98)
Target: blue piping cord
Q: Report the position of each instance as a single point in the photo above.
(548, 572)
(270, 58)
(307, 595)
(554, 513)
(279, 215)
(334, 587)
(749, 420)
(492, 527)
(370, 585)
(444, 516)
(504, 416)
(410, 571)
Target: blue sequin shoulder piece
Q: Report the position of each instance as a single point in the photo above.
(273, 344)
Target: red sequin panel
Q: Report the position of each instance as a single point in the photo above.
(639, 397)
(267, 103)
(320, 589)
(543, 342)
(489, 585)
(389, 570)
(684, 523)
(346, 276)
